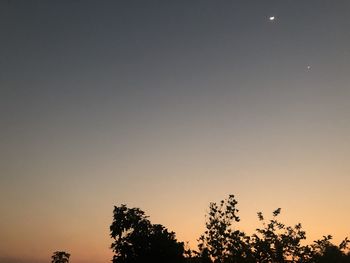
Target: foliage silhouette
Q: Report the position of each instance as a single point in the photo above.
(60, 257)
(274, 242)
(324, 251)
(137, 240)
(220, 241)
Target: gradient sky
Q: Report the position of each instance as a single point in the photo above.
(166, 106)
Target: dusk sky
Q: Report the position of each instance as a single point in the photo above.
(167, 106)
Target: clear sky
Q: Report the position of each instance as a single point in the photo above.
(166, 106)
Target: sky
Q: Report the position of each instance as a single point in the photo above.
(167, 106)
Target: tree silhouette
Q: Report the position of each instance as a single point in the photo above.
(137, 240)
(324, 251)
(276, 242)
(60, 257)
(220, 241)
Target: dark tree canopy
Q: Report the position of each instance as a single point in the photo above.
(221, 241)
(137, 240)
(60, 257)
(274, 242)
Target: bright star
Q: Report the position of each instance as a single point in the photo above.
(271, 18)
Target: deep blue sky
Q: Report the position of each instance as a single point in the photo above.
(152, 103)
